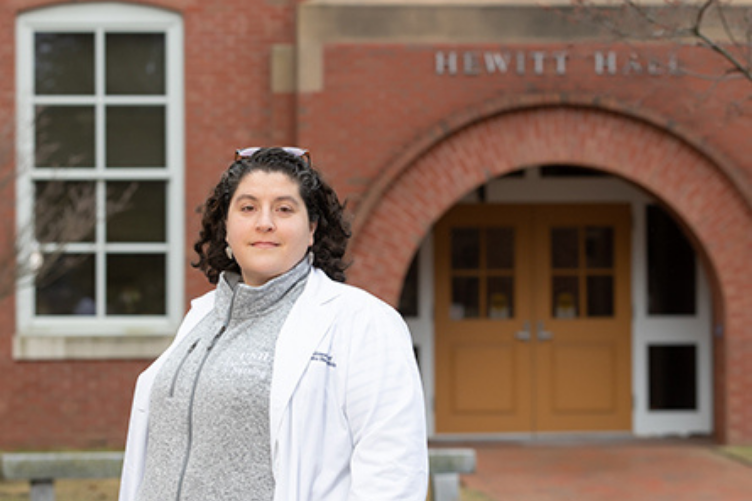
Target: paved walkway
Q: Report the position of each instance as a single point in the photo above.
(616, 471)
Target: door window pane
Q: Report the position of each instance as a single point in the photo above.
(564, 248)
(136, 211)
(64, 136)
(135, 63)
(136, 284)
(671, 266)
(673, 377)
(500, 297)
(135, 136)
(500, 248)
(63, 63)
(565, 297)
(599, 246)
(67, 287)
(65, 211)
(600, 296)
(465, 298)
(465, 248)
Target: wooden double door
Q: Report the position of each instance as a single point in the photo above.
(532, 319)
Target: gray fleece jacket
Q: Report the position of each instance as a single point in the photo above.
(208, 435)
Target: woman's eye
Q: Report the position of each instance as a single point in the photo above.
(247, 208)
(285, 209)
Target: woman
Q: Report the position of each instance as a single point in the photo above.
(282, 383)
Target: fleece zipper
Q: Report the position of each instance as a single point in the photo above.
(180, 367)
(191, 398)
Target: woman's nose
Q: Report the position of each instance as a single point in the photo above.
(265, 221)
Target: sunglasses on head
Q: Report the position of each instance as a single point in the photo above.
(298, 152)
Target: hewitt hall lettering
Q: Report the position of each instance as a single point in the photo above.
(540, 62)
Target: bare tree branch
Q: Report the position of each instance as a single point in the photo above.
(677, 21)
(697, 31)
(725, 23)
(64, 212)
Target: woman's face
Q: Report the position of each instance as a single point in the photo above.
(267, 226)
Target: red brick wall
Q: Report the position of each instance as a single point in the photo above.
(403, 143)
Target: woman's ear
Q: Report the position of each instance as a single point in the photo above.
(312, 228)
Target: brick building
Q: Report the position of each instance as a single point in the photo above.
(565, 221)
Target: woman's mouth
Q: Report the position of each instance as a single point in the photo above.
(264, 245)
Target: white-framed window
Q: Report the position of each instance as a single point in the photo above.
(100, 146)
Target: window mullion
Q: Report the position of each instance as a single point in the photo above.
(101, 267)
(101, 155)
(85, 174)
(101, 123)
(137, 100)
(67, 247)
(63, 100)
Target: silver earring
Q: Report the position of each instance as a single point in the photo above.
(228, 251)
(310, 257)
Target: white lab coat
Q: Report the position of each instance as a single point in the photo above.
(346, 406)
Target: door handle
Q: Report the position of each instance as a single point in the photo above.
(542, 334)
(524, 334)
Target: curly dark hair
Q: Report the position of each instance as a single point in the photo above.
(323, 206)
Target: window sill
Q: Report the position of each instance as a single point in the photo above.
(31, 347)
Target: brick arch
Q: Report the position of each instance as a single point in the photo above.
(696, 190)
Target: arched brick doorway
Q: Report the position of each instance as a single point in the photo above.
(698, 192)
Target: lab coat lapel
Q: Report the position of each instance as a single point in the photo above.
(306, 324)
